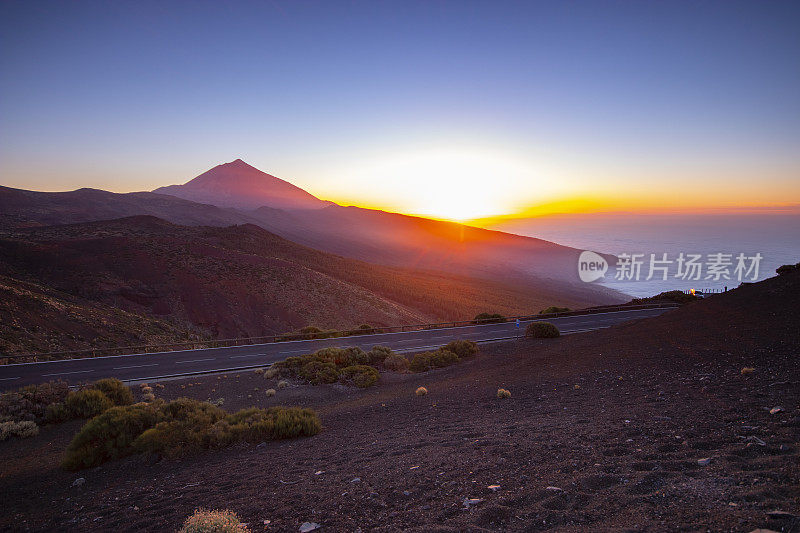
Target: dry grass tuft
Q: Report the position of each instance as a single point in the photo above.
(213, 521)
(271, 392)
(748, 370)
(503, 393)
(421, 391)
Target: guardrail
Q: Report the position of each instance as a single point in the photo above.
(270, 339)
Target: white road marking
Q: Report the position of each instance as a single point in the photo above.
(65, 373)
(8, 379)
(194, 361)
(251, 355)
(133, 366)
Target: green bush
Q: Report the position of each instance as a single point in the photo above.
(462, 348)
(553, 309)
(30, 402)
(87, 403)
(361, 376)
(425, 361)
(355, 356)
(678, 297)
(317, 372)
(489, 318)
(396, 362)
(115, 390)
(213, 522)
(310, 330)
(378, 354)
(542, 330)
(108, 436)
(179, 428)
(56, 413)
(364, 329)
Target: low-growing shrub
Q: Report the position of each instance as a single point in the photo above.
(317, 372)
(361, 376)
(31, 402)
(364, 329)
(108, 436)
(378, 354)
(271, 392)
(747, 370)
(86, 403)
(396, 362)
(421, 391)
(462, 348)
(283, 384)
(213, 522)
(425, 361)
(23, 429)
(258, 371)
(553, 309)
(785, 269)
(181, 427)
(542, 330)
(115, 390)
(271, 373)
(503, 393)
(489, 318)
(148, 397)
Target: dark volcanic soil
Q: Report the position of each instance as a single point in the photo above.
(604, 432)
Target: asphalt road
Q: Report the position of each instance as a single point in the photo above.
(153, 366)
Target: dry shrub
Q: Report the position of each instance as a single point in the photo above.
(317, 372)
(542, 330)
(258, 371)
(748, 370)
(362, 376)
(270, 373)
(425, 361)
(24, 429)
(213, 522)
(462, 348)
(271, 392)
(396, 362)
(283, 384)
(503, 393)
(181, 427)
(115, 390)
(31, 402)
(378, 354)
(421, 391)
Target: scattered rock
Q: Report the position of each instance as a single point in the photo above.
(355, 480)
(78, 482)
(775, 410)
(781, 515)
(553, 488)
(305, 527)
(493, 488)
(319, 472)
(468, 502)
(704, 461)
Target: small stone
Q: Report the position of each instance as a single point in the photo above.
(78, 482)
(775, 410)
(319, 472)
(493, 488)
(355, 480)
(406, 493)
(305, 527)
(471, 501)
(704, 461)
(553, 488)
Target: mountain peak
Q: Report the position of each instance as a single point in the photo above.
(238, 184)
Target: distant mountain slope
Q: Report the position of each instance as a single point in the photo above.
(237, 184)
(245, 281)
(20, 208)
(37, 319)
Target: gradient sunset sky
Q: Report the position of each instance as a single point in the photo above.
(449, 109)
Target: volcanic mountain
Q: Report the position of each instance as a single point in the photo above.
(237, 184)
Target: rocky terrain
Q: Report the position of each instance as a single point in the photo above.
(650, 426)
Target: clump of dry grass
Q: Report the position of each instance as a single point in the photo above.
(149, 397)
(748, 370)
(258, 371)
(421, 391)
(23, 430)
(270, 373)
(503, 393)
(213, 521)
(147, 390)
(271, 392)
(283, 384)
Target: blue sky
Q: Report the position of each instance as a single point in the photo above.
(572, 98)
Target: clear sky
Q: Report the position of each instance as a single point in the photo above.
(452, 109)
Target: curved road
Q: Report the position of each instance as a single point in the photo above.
(153, 366)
